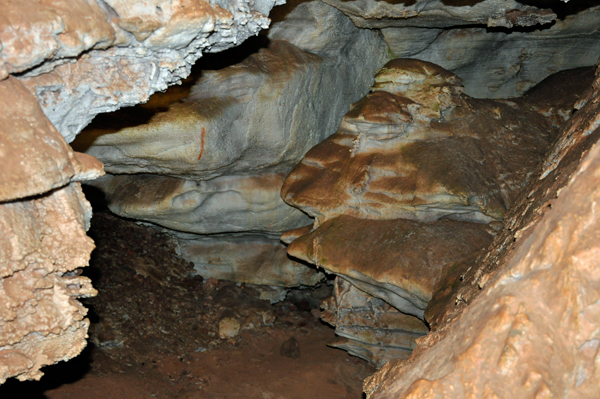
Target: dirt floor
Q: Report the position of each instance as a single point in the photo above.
(155, 333)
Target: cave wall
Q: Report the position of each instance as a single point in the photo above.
(61, 63)
(525, 320)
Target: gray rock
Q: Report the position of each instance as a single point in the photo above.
(369, 327)
(442, 13)
(251, 259)
(262, 114)
(238, 203)
(144, 47)
(497, 64)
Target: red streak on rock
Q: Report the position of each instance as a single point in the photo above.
(202, 143)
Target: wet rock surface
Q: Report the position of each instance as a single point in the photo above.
(506, 311)
(411, 158)
(416, 148)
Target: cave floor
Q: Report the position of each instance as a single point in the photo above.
(155, 333)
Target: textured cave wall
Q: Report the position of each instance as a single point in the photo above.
(84, 57)
(61, 63)
(524, 320)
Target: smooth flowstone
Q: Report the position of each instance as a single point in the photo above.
(416, 148)
(399, 261)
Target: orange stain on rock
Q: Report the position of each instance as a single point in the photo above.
(202, 143)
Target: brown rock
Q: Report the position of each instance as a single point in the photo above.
(399, 261)
(35, 158)
(43, 240)
(418, 149)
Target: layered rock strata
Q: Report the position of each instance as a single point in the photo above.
(249, 258)
(500, 64)
(507, 47)
(396, 191)
(87, 57)
(525, 320)
(399, 261)
(443, 14)
(214, 162)
(369, 327)
(61, 63)
(416, 148)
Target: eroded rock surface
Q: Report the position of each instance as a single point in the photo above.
(442, 14)
(43, 240)
(369, 327)
(399, 261)
(500, 64)
(416, 148)
(261, 114)
(224, 204)
(61, 63)
(84, 58)
(530, 328)
(231, 142)
(253, 259)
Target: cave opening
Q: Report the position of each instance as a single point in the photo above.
(366, 200)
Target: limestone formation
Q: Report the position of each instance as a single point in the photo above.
(228, 204)
(399, 261)
(43, 220)
(415, 148)
(61, 63)
(42, 244)
(443, 13)
(35, 157)
(370, 328)
(252, 259)
(525, 322)
(231, 142)
(262, 114)
(83, 58)
(500, 64)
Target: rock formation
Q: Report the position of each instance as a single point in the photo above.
(428, 203)
(443, 14)
(43, 219)
(396, 191)
(232, 141)
(83, 58)
(369, 327)
(496, 63)
(61, 63)
(507, 48)
(525, 320)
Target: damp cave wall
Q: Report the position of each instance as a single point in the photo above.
(58, 72)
